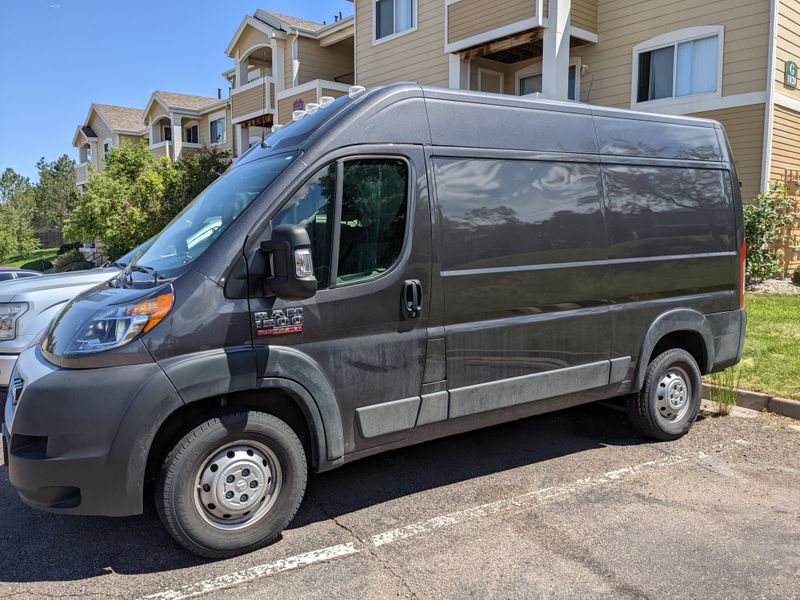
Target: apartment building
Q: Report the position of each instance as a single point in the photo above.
(105, 127)
(730, 60)
(179, 125)
(283, 64)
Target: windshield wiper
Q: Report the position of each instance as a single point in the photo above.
(145, 269)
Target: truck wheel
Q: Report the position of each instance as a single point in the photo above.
(668, 403)
(231, 484)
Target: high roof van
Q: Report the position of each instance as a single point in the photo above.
(397, 265)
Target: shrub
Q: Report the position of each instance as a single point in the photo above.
(67, 247)
(796, 276)
(765, 221)
(70, 261)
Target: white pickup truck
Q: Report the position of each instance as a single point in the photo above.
(28, 305)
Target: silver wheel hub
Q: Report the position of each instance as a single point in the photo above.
(672, 395)
(237, 485)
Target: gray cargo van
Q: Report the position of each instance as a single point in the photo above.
(397, 265)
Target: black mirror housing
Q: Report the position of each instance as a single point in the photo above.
(292, 268)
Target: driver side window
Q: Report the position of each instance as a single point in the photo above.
(372, 203)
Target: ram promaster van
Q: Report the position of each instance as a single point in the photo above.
(396, 265)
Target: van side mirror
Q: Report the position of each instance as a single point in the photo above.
(292, 275)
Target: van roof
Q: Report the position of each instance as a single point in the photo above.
(414, 114)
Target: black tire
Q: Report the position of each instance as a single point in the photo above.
(248, 436)
(653, 411)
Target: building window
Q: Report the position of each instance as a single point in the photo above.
(683, 67)
(166, 133)
(393, 17)
(191, 134)
(107, 145)
(532, 84)
(217, 131)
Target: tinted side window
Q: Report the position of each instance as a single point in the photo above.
(373, 218)
(374, 198)
(654, 211)
(6, 276)
(312, 206)
(502, 213)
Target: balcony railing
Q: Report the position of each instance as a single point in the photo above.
(253, 99)
(81, 173)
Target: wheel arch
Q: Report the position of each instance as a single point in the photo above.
(678, 328)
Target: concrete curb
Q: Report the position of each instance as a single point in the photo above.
(759, 401)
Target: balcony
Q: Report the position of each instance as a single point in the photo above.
(81, 173)
(253, 99)
(302, 95)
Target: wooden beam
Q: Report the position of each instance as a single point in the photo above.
(527, 37)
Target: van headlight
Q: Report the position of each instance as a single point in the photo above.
(115, 326)
(10, 312)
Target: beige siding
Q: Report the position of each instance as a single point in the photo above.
(785, 143)
(287, 63)
(103, 132)
(131, 139)
(472, 17)
(744, 127)
(788, 43)
(416, 56)
(249, 38)
(160, 151)
(156, 111)
(333, 93)
(248, 101)
(584, 14)
(81, 173)
(624, 23)
(285, 105)
(509, 72)
(327, 63)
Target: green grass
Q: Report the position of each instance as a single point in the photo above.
(771, 361)
(40, 260)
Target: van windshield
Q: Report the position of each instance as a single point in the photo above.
(208, 216)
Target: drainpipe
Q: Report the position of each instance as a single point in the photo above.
(295, 58)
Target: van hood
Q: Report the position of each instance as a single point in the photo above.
(57, 287)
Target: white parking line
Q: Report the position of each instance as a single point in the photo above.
(388, 537)
(227, 581)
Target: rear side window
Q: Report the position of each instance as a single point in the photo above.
(506, 213)
(6, 276)
(659, 211)
(372, 203)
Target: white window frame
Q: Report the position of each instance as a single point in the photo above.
(536, 69)
(394, 36)
(215, 117)
(482, 70)
(673, 38)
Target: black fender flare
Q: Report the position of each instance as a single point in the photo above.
(302, 377)
(679, 319)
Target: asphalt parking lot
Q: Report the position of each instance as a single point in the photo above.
(571, 504)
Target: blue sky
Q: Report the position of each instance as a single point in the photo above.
(59, 56)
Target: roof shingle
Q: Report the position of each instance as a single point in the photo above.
(121, 118)
(295, 21)
(186, 101)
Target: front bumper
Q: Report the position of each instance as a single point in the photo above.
(7, 362)
(77, 439)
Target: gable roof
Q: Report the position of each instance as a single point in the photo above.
(120, 118)
(290, 21)
(174, 100)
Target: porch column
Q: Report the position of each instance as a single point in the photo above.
(242, 139)
(555, 51)
(241, 71)
(278, 73)
(459, 73)
(177, 137)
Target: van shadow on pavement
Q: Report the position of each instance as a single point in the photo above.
(38, 546)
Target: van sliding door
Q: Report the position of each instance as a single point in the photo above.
(523, 246)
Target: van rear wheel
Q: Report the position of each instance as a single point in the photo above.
(668, 403)
(232, 484)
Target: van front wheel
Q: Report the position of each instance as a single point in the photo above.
(669, 401)
(231, 484)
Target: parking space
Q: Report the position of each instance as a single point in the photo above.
(571, 504)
